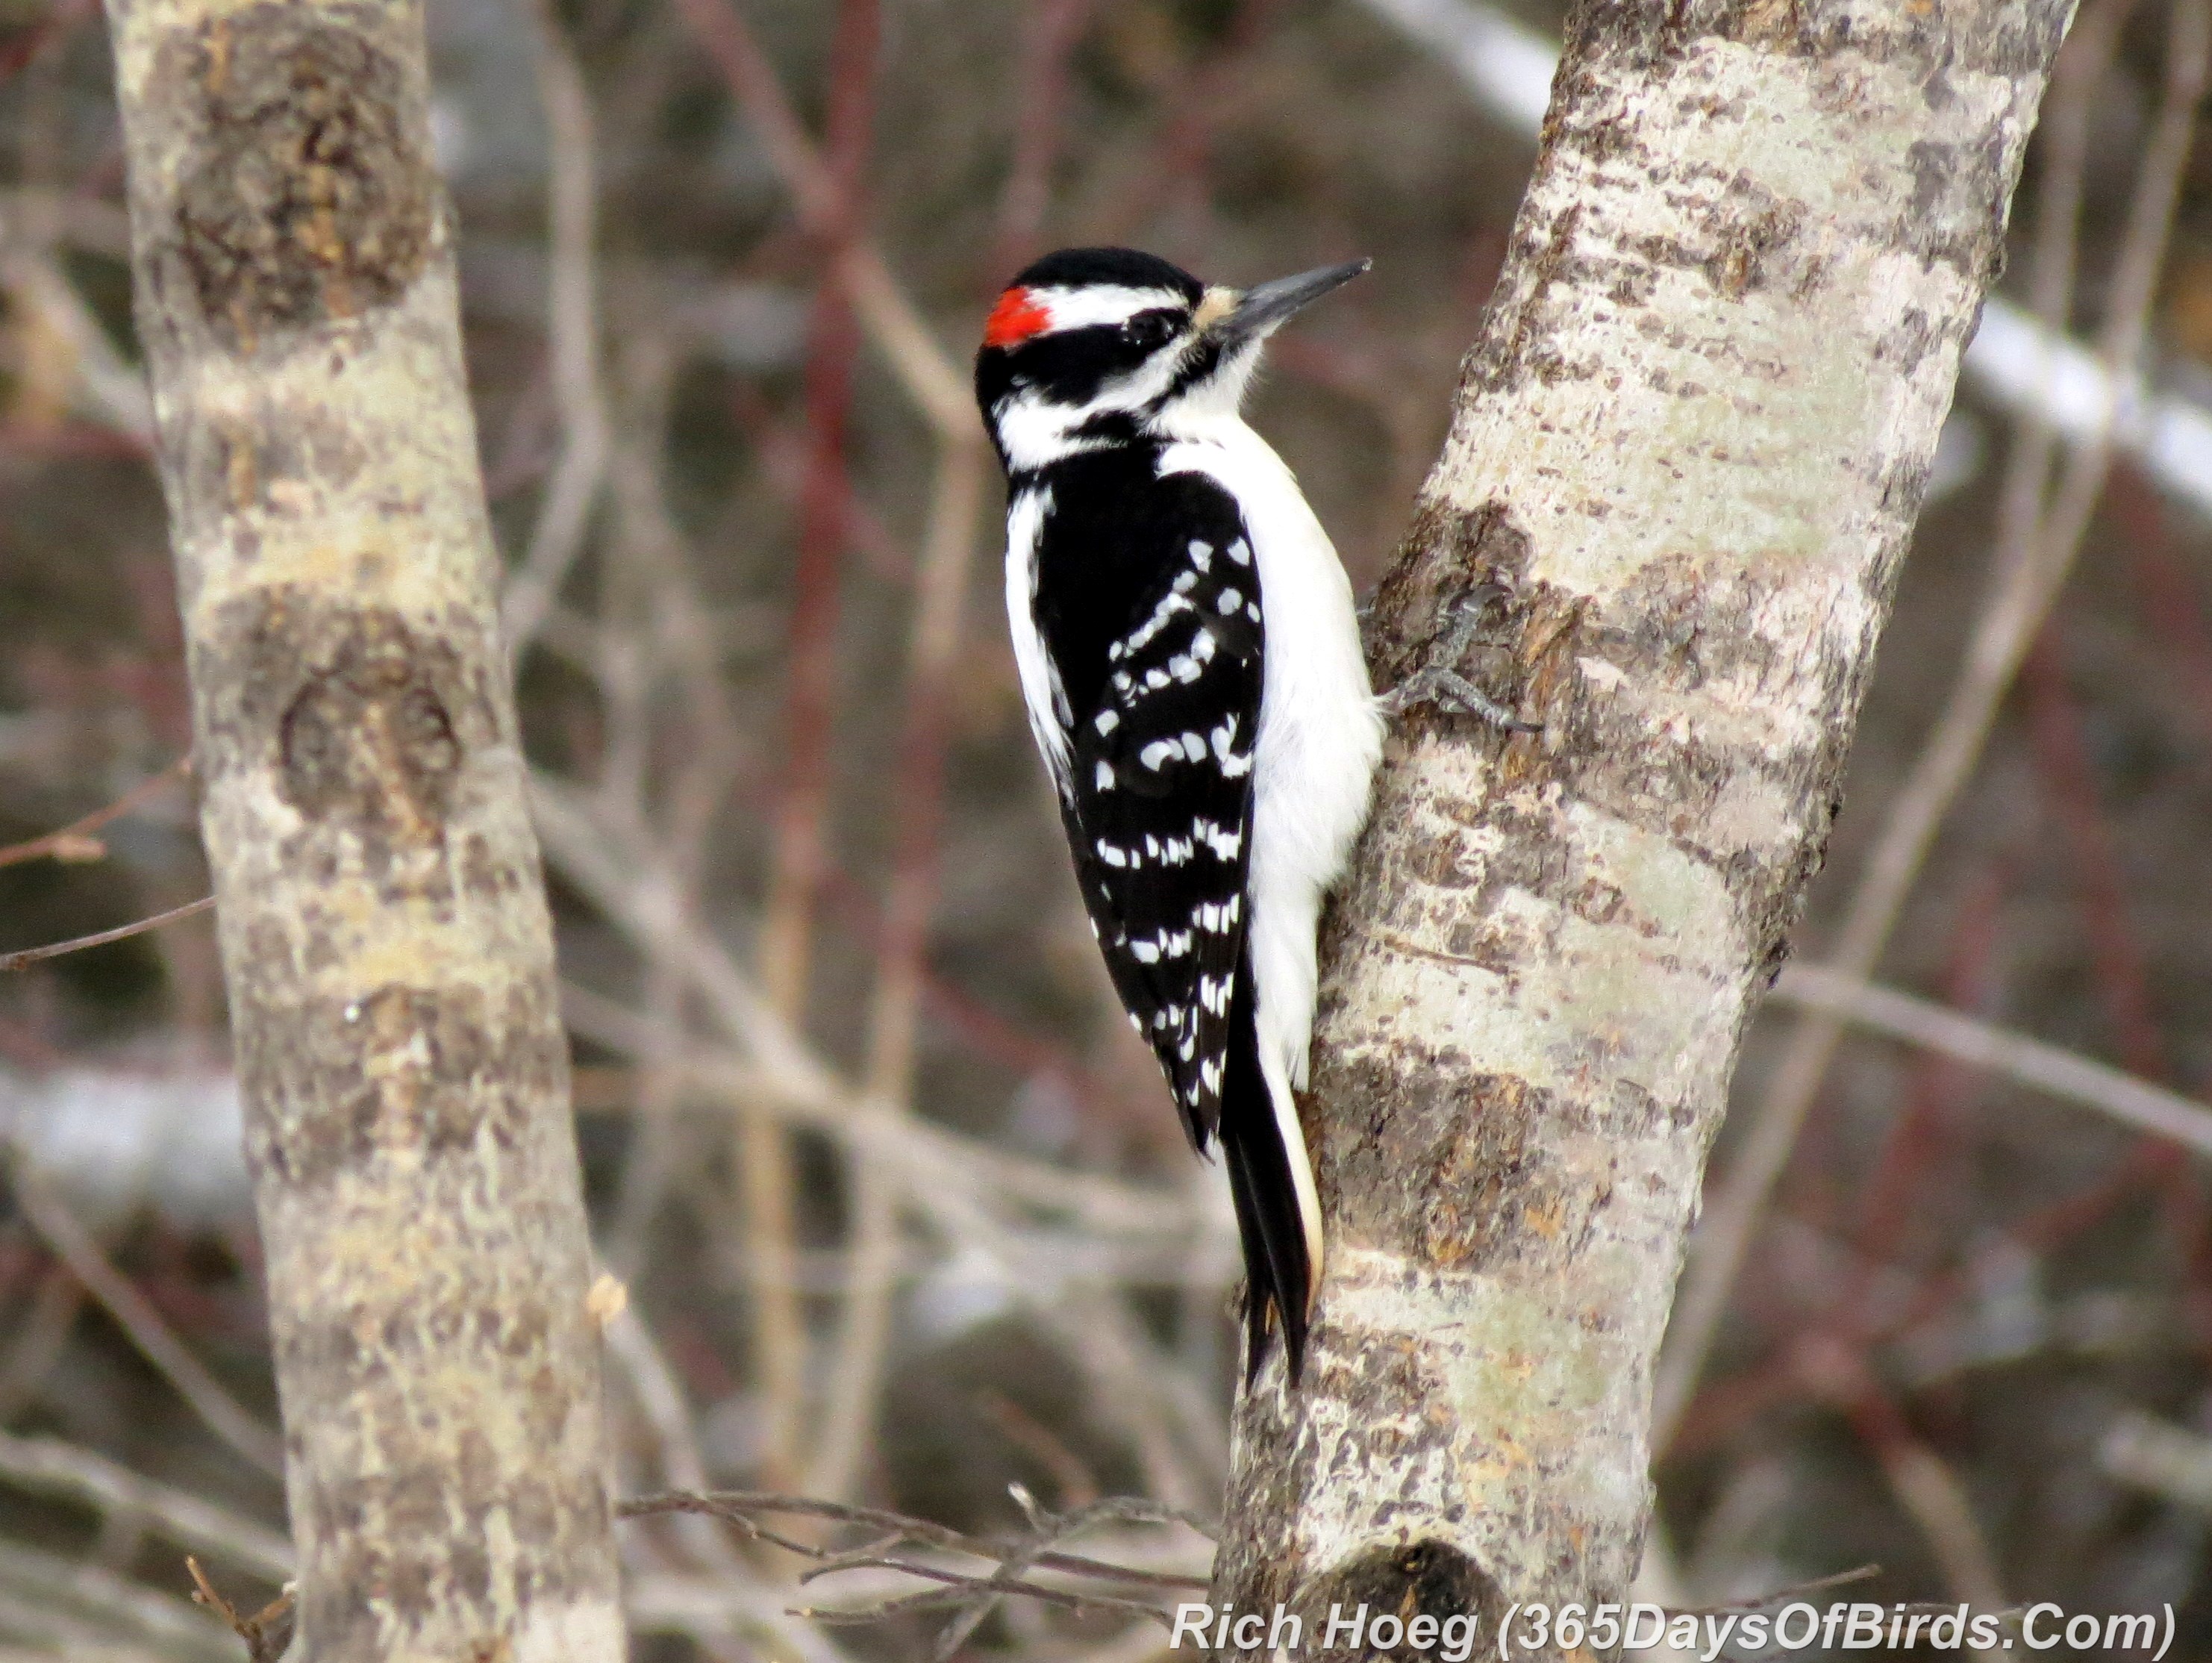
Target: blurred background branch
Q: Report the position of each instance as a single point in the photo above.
(915, 1223)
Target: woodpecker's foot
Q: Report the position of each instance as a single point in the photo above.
(1449, 689)
(1441, 683)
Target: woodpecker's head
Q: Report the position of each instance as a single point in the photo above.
(1099, 346)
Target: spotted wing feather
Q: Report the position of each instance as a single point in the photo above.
(1155, 629)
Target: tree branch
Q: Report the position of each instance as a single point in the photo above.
(1690, 446)
(385, 938)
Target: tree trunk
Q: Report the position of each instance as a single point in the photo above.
(1688, 449)
(385, 936)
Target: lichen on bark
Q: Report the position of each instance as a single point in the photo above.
(386, 943)
(1686, 456)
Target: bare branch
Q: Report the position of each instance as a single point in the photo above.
(2160, 1459)
(943, 585)
(1686, 451)
(387, 945)
(2065, 1075)
(967, 1595)
(267, 1633)
(79, 1609)
(58, 1227)
(50, 1466)
(571, 334)
(931, 378)
(75, 841)
(32, 955)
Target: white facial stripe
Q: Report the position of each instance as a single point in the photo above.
(1036, 431)
(1098, 304)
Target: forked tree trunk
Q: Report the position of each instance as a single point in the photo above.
(383, 921)
(1690, 446)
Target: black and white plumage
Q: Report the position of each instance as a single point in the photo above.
(1190, 658)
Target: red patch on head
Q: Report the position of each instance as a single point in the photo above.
(1017, 316)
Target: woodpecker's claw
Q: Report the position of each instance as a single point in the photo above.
(1441, 684)
(1453, 692)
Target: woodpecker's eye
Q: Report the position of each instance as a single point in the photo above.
(1148, 329)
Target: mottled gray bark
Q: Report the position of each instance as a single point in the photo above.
(384, 936)
(1689, 448)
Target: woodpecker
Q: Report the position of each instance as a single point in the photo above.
(1189, 656)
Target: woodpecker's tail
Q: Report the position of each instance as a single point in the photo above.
(1277, 1270)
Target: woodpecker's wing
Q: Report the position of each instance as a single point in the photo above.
(1149, 608)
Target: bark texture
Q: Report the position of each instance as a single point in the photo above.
(383, 922)
(1688, 451)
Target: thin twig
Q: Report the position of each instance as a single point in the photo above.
(849, 1414)
(651, 568)
(1049, 31)
(744, 1507)
(1890, 1201)
(40, 1335)
(50, 1466)
(962, 1591)
(637, 1355)
(2121, 970)
(1010, 1576)
(81, 1609)
(967, 1595)
(1781, 1596)
(75, 841)
(267, 1633)
(1922, 1482)
(109, 389)
(930, 376)
(573, 337)
(935, 1156)
(71, 1243)
(2156, 1456)
(1931, 1494)
(799, 857)
(32, 955)
(2050, 1069)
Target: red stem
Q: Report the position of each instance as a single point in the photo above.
(2062, 755)
(833, 346)
(1917, 1136)
(1048, 36)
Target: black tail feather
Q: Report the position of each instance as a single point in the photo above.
(1277, 1271)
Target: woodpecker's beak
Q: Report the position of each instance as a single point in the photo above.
(1258, 312)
